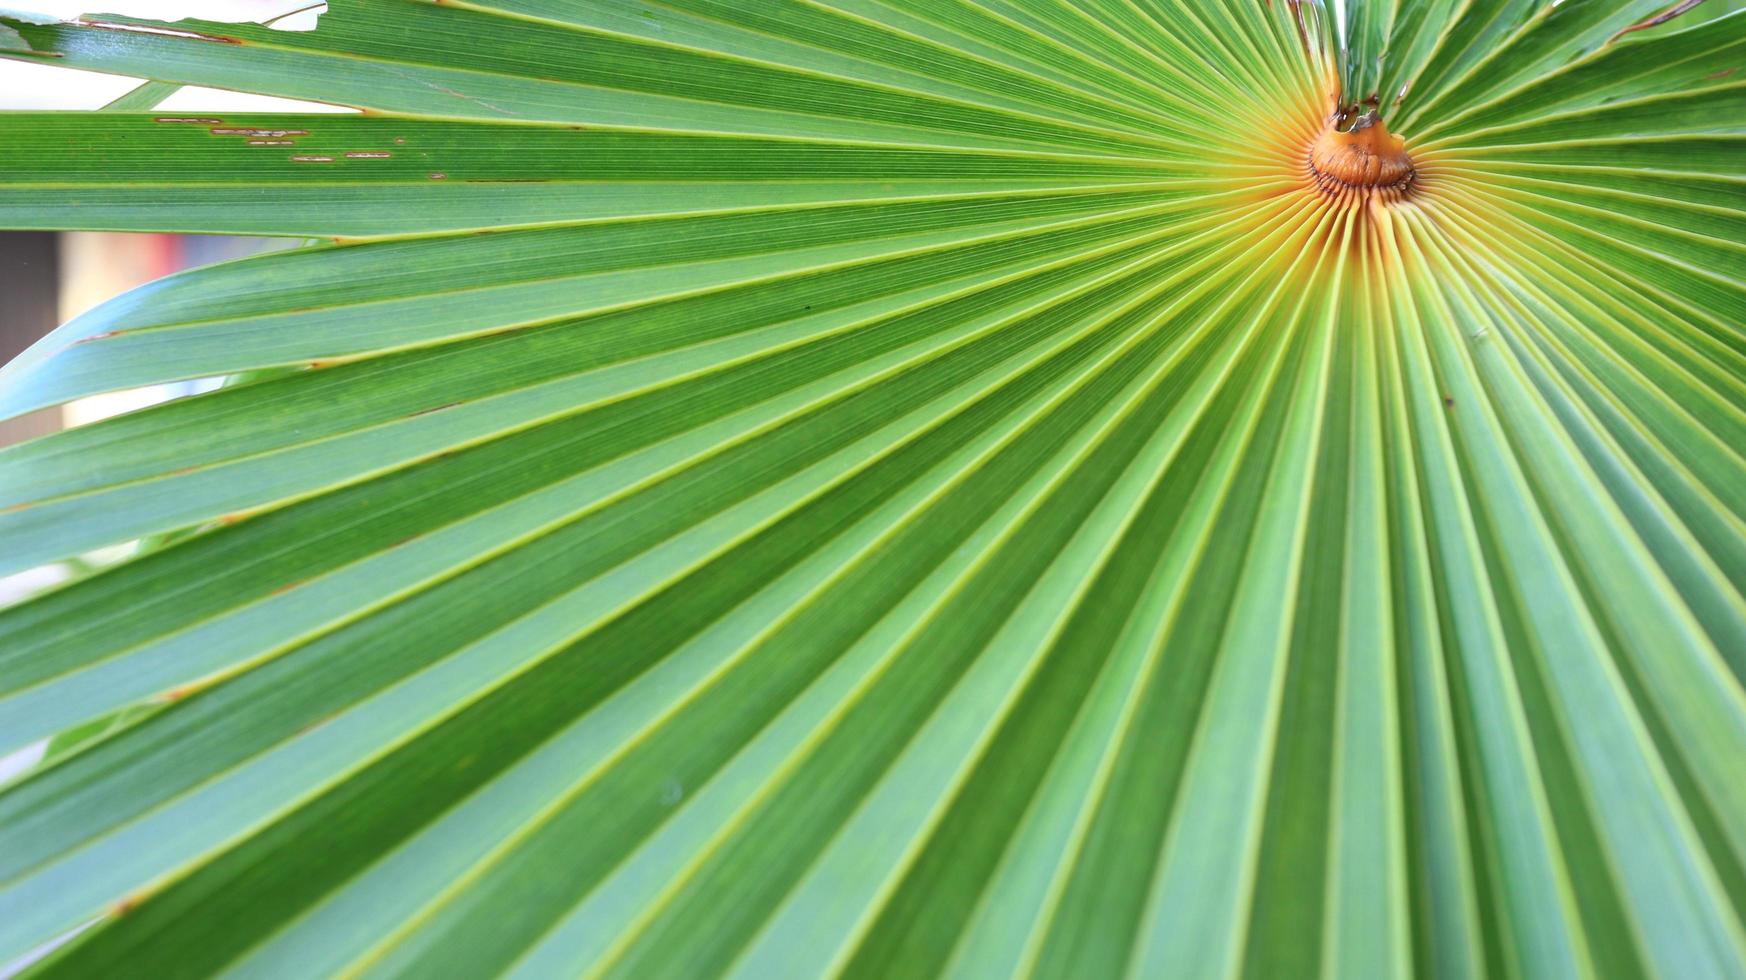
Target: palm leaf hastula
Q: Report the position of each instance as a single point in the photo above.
(895, 487)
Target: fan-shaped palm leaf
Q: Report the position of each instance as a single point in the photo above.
(895, 487)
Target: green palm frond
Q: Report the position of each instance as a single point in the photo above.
(895, 488)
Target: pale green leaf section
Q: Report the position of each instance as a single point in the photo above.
(144, 96)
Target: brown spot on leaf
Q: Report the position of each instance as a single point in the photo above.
(251, 131)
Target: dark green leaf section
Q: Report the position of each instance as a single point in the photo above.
(331, 175)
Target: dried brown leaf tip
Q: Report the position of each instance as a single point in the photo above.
(1657, 20)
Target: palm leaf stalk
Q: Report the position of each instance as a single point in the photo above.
(895, 488)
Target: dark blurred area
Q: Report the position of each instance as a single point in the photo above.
(30, 275)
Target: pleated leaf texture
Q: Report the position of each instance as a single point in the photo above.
(894, 488)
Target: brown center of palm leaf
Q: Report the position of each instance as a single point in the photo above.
(1365, 156)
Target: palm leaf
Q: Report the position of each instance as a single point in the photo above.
(894, 487)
